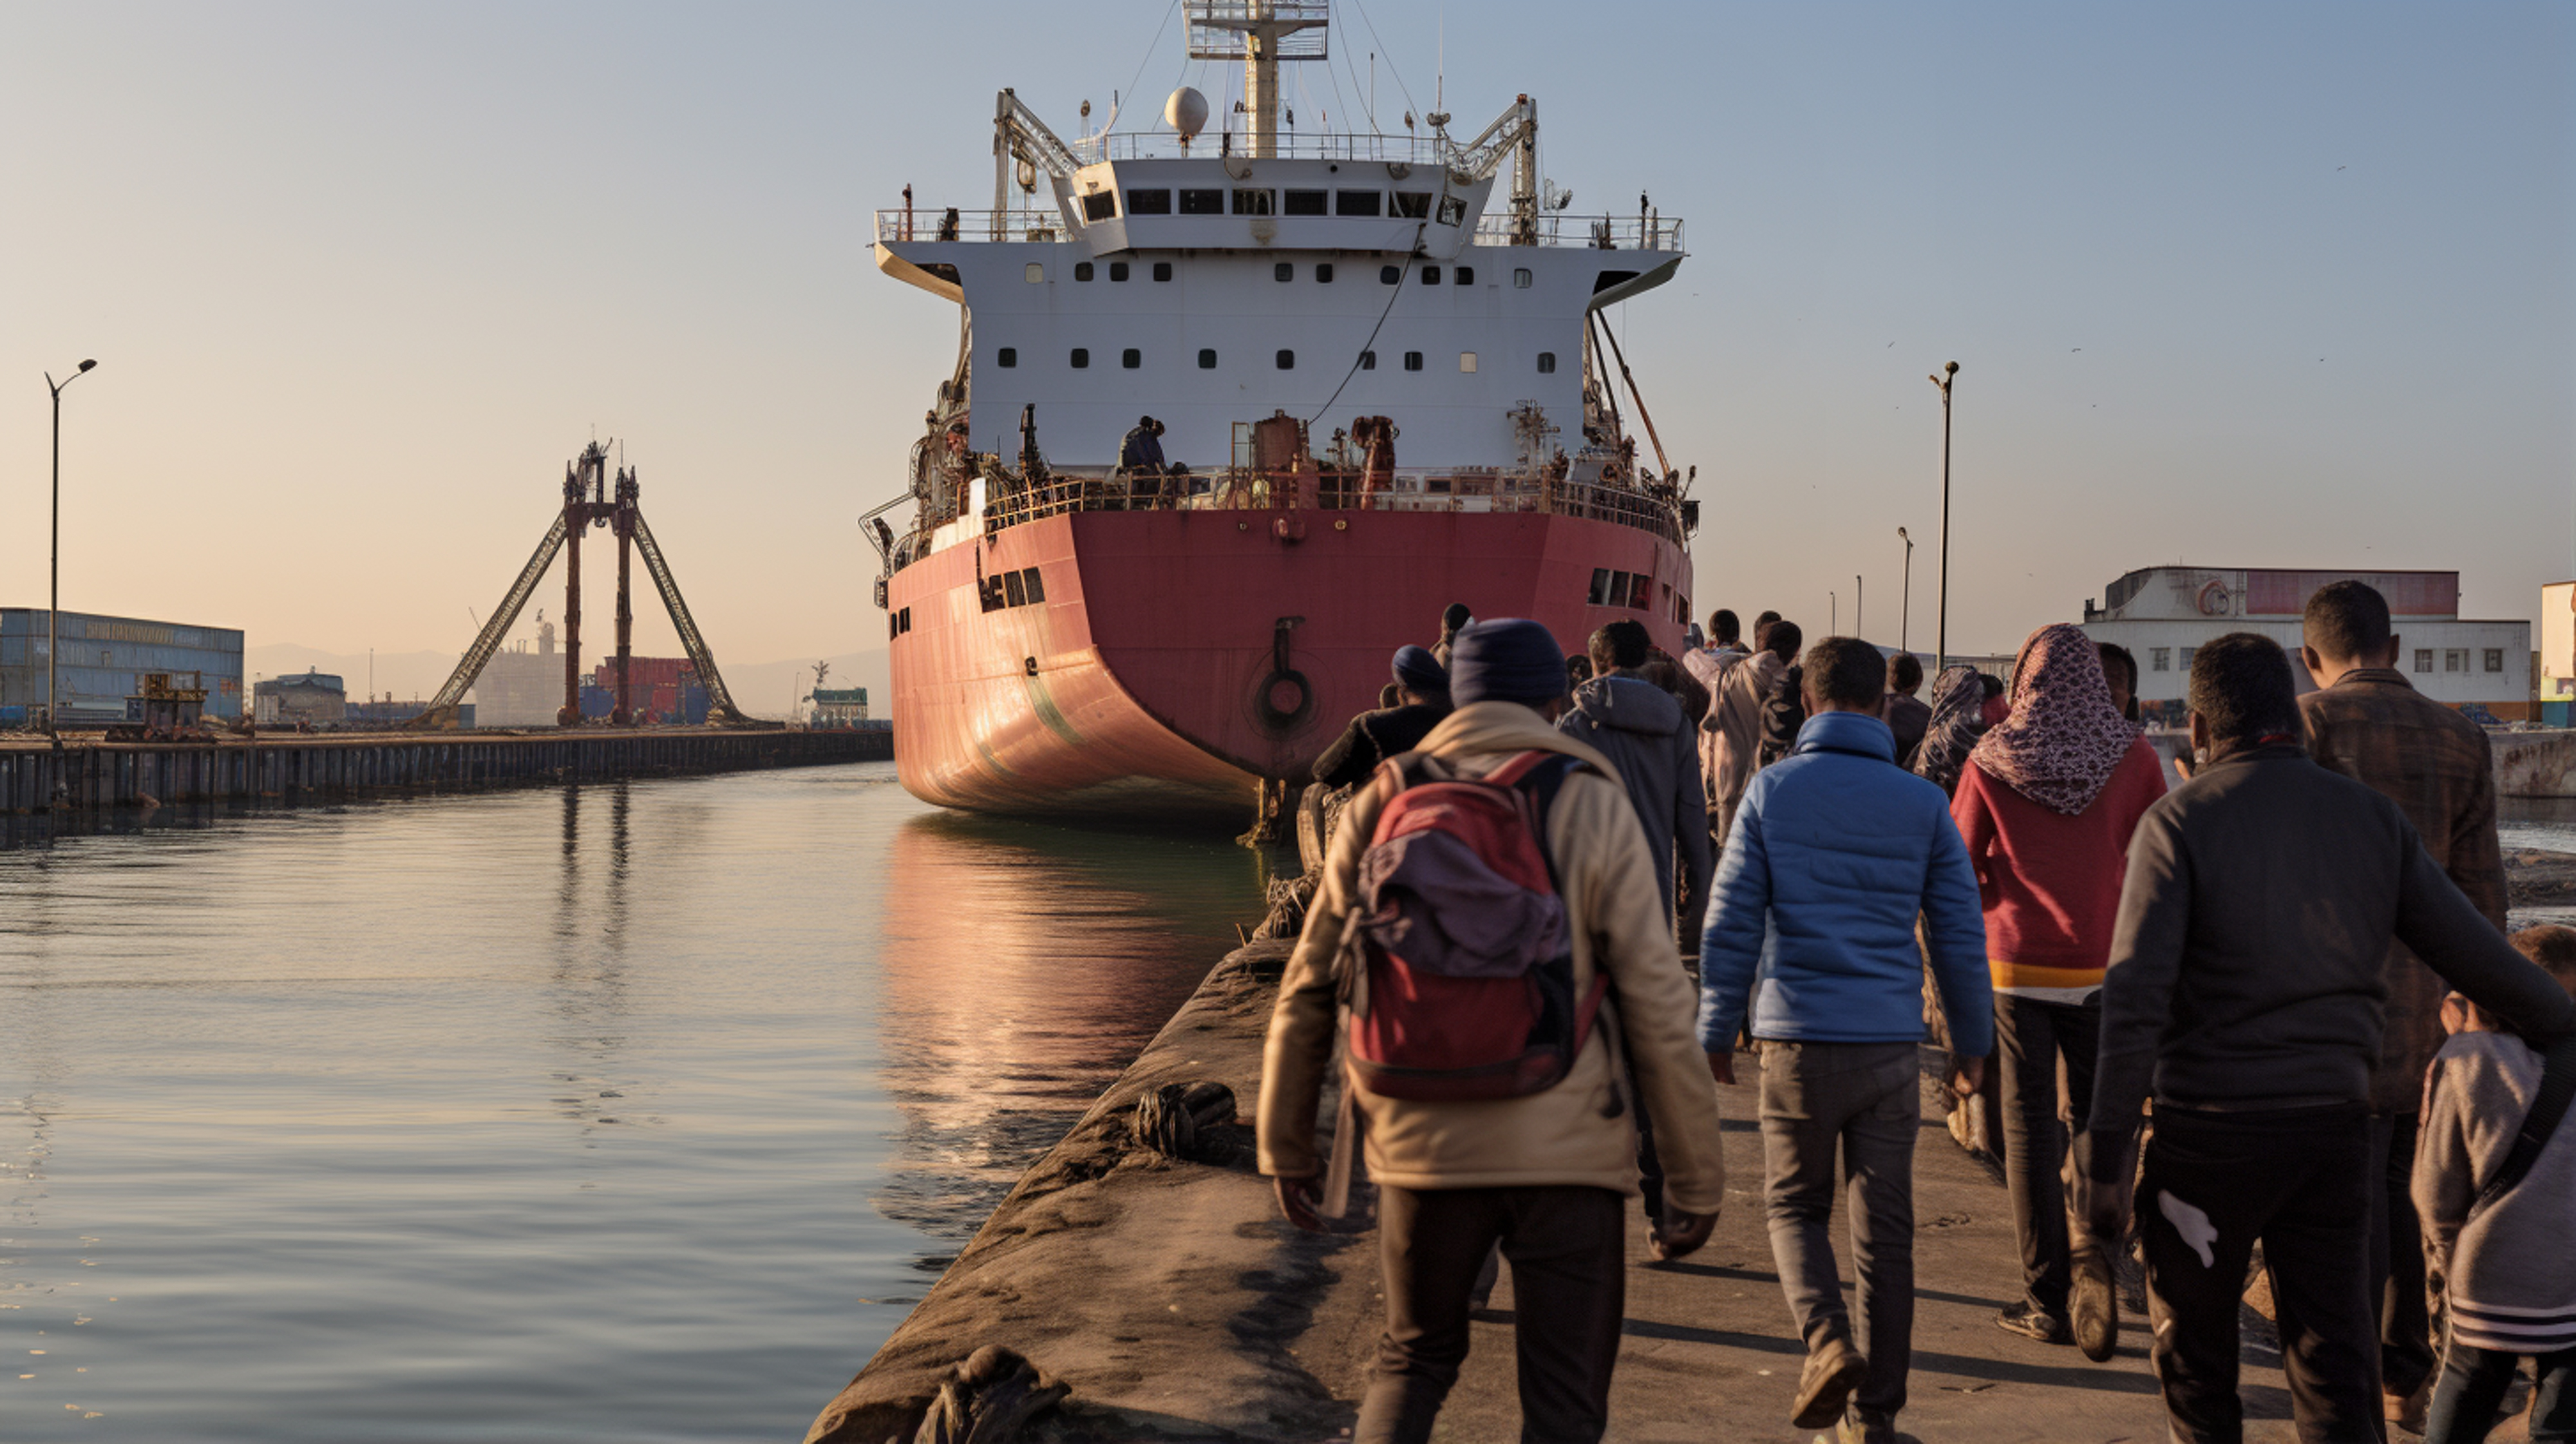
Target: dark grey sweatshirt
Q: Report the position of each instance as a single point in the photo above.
(2245, 965)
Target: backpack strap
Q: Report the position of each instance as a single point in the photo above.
(2557, 1087)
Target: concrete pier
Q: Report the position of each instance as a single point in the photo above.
(99, 776)
(1178, 1306)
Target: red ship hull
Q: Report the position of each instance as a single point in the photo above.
(1180, 657)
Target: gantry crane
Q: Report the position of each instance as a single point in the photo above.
(588, 501)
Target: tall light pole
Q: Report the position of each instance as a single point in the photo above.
(1859, 627)
(1905, 608)
(1833, 615)
(54, 600)
(1941, 642)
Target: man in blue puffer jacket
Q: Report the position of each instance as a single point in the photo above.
(1835, 851)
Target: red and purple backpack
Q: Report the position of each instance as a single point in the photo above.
(1457, 964)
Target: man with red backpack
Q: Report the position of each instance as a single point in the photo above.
(1490, 935)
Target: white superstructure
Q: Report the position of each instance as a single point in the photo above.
(1214, 280)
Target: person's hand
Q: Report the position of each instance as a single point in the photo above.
(1680, 1234)
(1967, 1075)
(1721, 1066)
(1299, 1198)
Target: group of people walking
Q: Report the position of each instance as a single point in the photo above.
(2288, 975)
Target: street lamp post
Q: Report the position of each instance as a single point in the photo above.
(1905, 608)
(1941, 643)
(1859, 595)
(54, 598)
(1833, 615)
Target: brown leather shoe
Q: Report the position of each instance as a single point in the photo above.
(1825, 1385)
(2095, 1306)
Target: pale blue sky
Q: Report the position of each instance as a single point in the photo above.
(362, 277)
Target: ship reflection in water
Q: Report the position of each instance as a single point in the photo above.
(613, 1114)
(1024, 965)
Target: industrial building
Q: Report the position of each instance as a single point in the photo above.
(314, 699)
(2163, 614)
(103, 662)
(520, 687)
(839, 707)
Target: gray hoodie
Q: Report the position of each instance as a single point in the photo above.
(2509, 1269)
(1649, 738)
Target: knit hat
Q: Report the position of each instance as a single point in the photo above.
(1418, 672)
(1510, 659)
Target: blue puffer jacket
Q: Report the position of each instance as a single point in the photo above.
(1835, 850)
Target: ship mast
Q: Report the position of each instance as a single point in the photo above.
(1260, 33)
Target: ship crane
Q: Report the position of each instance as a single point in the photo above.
(588, 502)
(1514, 132)
(1018, 135)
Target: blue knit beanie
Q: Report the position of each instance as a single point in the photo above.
(1509, 659)
(1418, 672)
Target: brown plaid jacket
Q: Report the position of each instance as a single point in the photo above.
(2374, 727)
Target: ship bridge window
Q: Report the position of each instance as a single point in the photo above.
(1324, 273)
(1601, 585)
(1100, 205)
(1413, 205)
(1037, 274)
(1520, 278)
(1081, 358)
(1252, 202)
(1641, 592)
(1357, 203)
(1036, 589)
(1284, 271)
(1389, 275)
(1464, 275)
(1015, 590)
(1118, 270)
(1547, 363)
(1412, 360)
(1149, 203)
(1304, 203)
(1131, 358)
(1202, 203)
(1162, 270)
(1431, 275)
(1007, 357)
(1082, 270)
(1207, 358)
(1453, 211)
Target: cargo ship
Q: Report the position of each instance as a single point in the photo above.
(1384, 384)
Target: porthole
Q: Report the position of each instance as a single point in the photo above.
(1389, 275)
(1037, 274)
(1467, 363)
(1547, 363)
(1431, 275)
(1284, 271)
(1081, 358)
(1324, 273)
(1118, 270)
(1007, 357)
(1287, 360)
(1162, 270)
(1412, 360)
(1520, 278)
(1466, 276)
(1082, 270)
(1207, 359)
(1368, 360)
(1131, 358)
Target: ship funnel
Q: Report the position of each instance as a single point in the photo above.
(1186, 112)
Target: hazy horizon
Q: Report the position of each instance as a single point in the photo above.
(2267, 286)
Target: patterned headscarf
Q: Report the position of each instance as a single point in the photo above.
(2064, 739)
(1958, 701)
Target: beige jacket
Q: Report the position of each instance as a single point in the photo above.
(1561, 1136)
(1736, 718)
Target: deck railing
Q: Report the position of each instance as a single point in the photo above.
(1651, 510)
(1611, 233)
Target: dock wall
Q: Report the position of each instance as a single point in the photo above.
(98, 776)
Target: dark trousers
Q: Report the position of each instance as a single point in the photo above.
(2397, 1257)
(2047, 1051)
(2299, 1180)
(1568, 1250)
(2473, 1387)
(1863, 1098)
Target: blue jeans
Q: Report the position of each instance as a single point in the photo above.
(2474, 1383)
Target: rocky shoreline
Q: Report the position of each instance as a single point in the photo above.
(2537, 879)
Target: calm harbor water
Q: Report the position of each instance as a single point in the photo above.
(625, 1113)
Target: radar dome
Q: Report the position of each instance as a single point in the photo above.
(1186, 112)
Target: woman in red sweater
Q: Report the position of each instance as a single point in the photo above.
(2046, 807)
